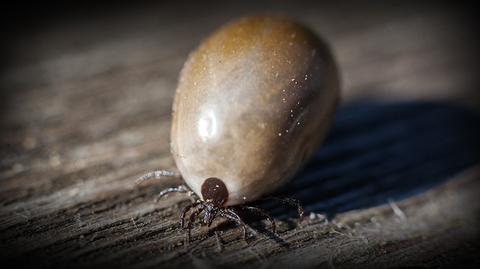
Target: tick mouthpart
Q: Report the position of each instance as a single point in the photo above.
(214, 191)
(210, 213)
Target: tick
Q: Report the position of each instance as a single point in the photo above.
(254, 100)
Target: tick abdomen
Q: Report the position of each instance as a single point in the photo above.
(253, 102)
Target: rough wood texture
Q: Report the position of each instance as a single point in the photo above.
(86, 103)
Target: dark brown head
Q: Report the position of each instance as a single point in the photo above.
(215, 191)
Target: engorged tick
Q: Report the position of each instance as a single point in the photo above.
(236, 134)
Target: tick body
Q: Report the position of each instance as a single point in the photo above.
(253, 102)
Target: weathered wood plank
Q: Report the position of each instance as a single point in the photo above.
(86, 109)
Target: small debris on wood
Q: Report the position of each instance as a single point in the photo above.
(397, 211)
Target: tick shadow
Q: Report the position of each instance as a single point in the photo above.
(382, 151)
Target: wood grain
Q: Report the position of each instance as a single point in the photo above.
(86, 105)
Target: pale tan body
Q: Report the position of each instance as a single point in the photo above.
(253, 102)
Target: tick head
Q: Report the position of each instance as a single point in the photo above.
(214, 191)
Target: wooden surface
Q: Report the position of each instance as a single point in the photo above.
(86, 102)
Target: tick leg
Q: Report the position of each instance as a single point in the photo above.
(231, 215)
(180, 189)
(210, 220)
(165, 173)
(290, 202)
(219, 241)
(185, 211)
(156, 175)
(263, 213)
(193, 216)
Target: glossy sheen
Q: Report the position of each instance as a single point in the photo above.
(253, 103)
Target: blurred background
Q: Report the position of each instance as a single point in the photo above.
(86, 92)
(395, 49)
